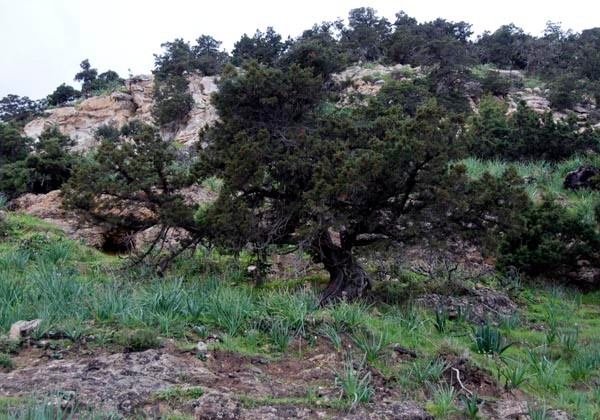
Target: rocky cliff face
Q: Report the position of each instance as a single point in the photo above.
(80, 121)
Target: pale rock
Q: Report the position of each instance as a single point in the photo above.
(81, 121)
(22, 329)
(367, 82)
(49, 208)
(202, 347)
(511, 74)
(538, 103)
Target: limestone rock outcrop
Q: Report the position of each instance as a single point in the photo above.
(81, 120)
(49, 208)
(367, 81)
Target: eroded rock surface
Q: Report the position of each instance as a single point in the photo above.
(128, 384)
(122, 382)
(49, 208)
(80, 121)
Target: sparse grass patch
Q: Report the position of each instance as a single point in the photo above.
(428, 371)
(140, 340)
(444, 397)
(355, 382)
(179, 395)
(488, 340)
(373, 342)
(5, 361)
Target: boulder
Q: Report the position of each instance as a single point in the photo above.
(586, 176)
(49, 208)
(22, 329)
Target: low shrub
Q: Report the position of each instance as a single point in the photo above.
(549, 241)
(488, 340)
(6, 361)
(140, 340)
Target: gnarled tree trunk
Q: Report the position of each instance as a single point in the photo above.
(348, 280)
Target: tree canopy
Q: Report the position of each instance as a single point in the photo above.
(332, 183)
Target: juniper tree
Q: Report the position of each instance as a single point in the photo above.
(333, 183)
(132, 182)
(46, 166)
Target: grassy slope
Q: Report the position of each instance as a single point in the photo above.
(556, 339)
(546, 178)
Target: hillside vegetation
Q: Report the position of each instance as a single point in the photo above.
(383, 222)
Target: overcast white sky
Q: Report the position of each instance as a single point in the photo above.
(43, 41)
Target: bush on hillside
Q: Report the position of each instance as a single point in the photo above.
(549, 241)
(44, 169)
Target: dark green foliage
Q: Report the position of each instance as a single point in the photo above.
(264, 47)
(19, 110)
(86, 76)
(445, 47)
(179, 58)
(440, 321)
(172, 101)
(488, 340)
(63, 94)
(589, 53)
(525, 135)
(409, 95)
(318, 49)
(109, 80)
(565, 91)
(176, 60)
(292, 177)
(92, 82)
(471, 406)
(132, 182)
(45, 169)
(366, 35)
(506, 47)
(13, 146)
(496, 84)
(108, 132)
(438, 42)
(549, 241)
(5, 361)
(404, 39)
(210, 59)
(447, 86)
(442, 45)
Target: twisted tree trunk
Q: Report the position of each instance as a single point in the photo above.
(347, 279)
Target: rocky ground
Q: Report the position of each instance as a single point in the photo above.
(202, 381)
(153, 383)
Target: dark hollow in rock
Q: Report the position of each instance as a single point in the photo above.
(118, 242)
(586, 176)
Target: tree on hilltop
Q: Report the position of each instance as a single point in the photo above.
(264, 47)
